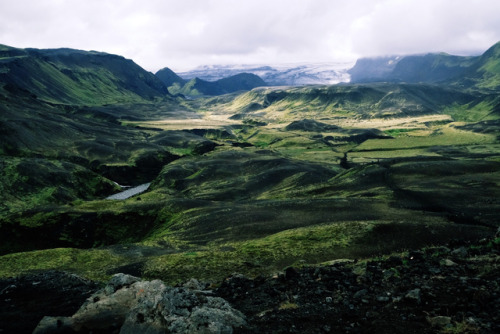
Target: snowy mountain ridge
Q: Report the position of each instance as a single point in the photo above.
(295, 74)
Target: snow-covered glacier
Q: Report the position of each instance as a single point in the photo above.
(295, 74)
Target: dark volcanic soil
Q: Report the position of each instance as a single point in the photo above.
(24, 301)
(453, 289)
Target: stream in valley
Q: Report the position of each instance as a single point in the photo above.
(130, 192)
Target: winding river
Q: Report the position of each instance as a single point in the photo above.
(130, 192)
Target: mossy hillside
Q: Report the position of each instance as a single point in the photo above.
(203, 221)
(237, 174)
(464, 189)
(30, 182)
(276, 251)
(485, 73)
(300, 246)
(193, 225)
(94, 138)
(370, 100)
(289, 187)
(91, 263)
(265, 255)
(79, 77)
(485, 108)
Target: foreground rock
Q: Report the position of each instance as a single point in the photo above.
(129, 305)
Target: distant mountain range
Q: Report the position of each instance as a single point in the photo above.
(462, 71)
(277, 75)
(197, 86)
(90, 77)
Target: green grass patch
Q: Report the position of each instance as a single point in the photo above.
(447, 136)
(481, 111)
(398, 132)
(92, 263)
(272, 253)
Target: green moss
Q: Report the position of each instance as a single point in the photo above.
(268, 254)
(88, 263)
(397, 132)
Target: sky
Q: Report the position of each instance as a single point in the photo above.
(184, 34)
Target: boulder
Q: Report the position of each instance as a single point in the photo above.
(129, 305)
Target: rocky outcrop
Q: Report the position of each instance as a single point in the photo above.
(130, 305)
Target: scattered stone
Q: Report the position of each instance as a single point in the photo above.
(439, 321)
(459, 252)
(194, 284)
(413, 295)
(448, 263)
(361, 293)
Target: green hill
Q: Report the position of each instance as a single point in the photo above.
(485, 73)
(76, 77)
(363, 100)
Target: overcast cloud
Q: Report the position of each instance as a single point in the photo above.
(183, 34)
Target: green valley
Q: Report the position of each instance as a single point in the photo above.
(250, 182)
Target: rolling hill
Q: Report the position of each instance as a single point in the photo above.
(360, 100)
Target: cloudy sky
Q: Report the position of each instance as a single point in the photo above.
(183, 34)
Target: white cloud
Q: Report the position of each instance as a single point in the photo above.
(401, 27)
(187, 33)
